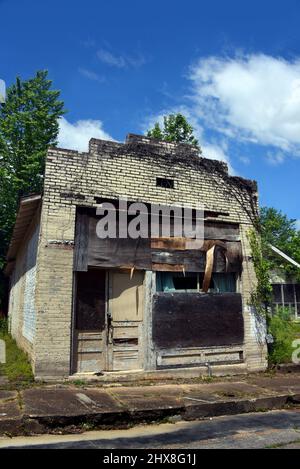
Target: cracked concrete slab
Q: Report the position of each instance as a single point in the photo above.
(214, 392)
(282, 383)
(41, 402)
(149, 397)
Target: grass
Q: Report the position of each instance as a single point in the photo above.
(17, 367)
(79, 382)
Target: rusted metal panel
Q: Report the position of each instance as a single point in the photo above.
(197, 320)
(185, 260)
(212, 231)
(168, 243)
(167, 267)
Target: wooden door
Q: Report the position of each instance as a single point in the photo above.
(125, 320)
(89, 345)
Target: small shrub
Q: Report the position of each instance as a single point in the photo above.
(284, 332)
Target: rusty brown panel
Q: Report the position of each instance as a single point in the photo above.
(197, 320)
(168, 243)
(168, 267)
(234, 256)
(173, 244)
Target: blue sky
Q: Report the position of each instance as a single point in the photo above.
(233, 67)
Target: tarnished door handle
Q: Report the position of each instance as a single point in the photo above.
(109, 329)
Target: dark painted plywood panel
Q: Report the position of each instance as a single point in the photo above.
(197, 320)
(221, 230)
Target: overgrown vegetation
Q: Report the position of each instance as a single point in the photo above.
(279, 325)
(17, 367)
(175, 128)
(262, 295)
(284, 332)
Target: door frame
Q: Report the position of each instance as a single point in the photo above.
(109, 318)
(74, 331)
(107, 341)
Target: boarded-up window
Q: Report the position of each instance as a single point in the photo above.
(90, 300)
(197, 320)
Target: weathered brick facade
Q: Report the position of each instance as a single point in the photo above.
(112, 170)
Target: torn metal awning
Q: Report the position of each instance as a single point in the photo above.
(27, 209)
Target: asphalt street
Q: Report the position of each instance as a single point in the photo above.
(274, 429)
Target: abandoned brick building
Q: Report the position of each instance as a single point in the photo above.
(81, 304)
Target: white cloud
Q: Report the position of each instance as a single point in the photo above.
(254, 98)
(111, 59)
(297, 224)
(120, 61)
(245, 159)
(76, 136)
(275, 158)
(91, 75)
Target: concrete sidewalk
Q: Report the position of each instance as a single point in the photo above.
(69, 408)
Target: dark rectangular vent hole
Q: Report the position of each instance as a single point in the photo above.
(164, 182)
(131, 341)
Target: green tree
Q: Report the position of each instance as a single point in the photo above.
(280, 231)
(175, 129)
(28, 125)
